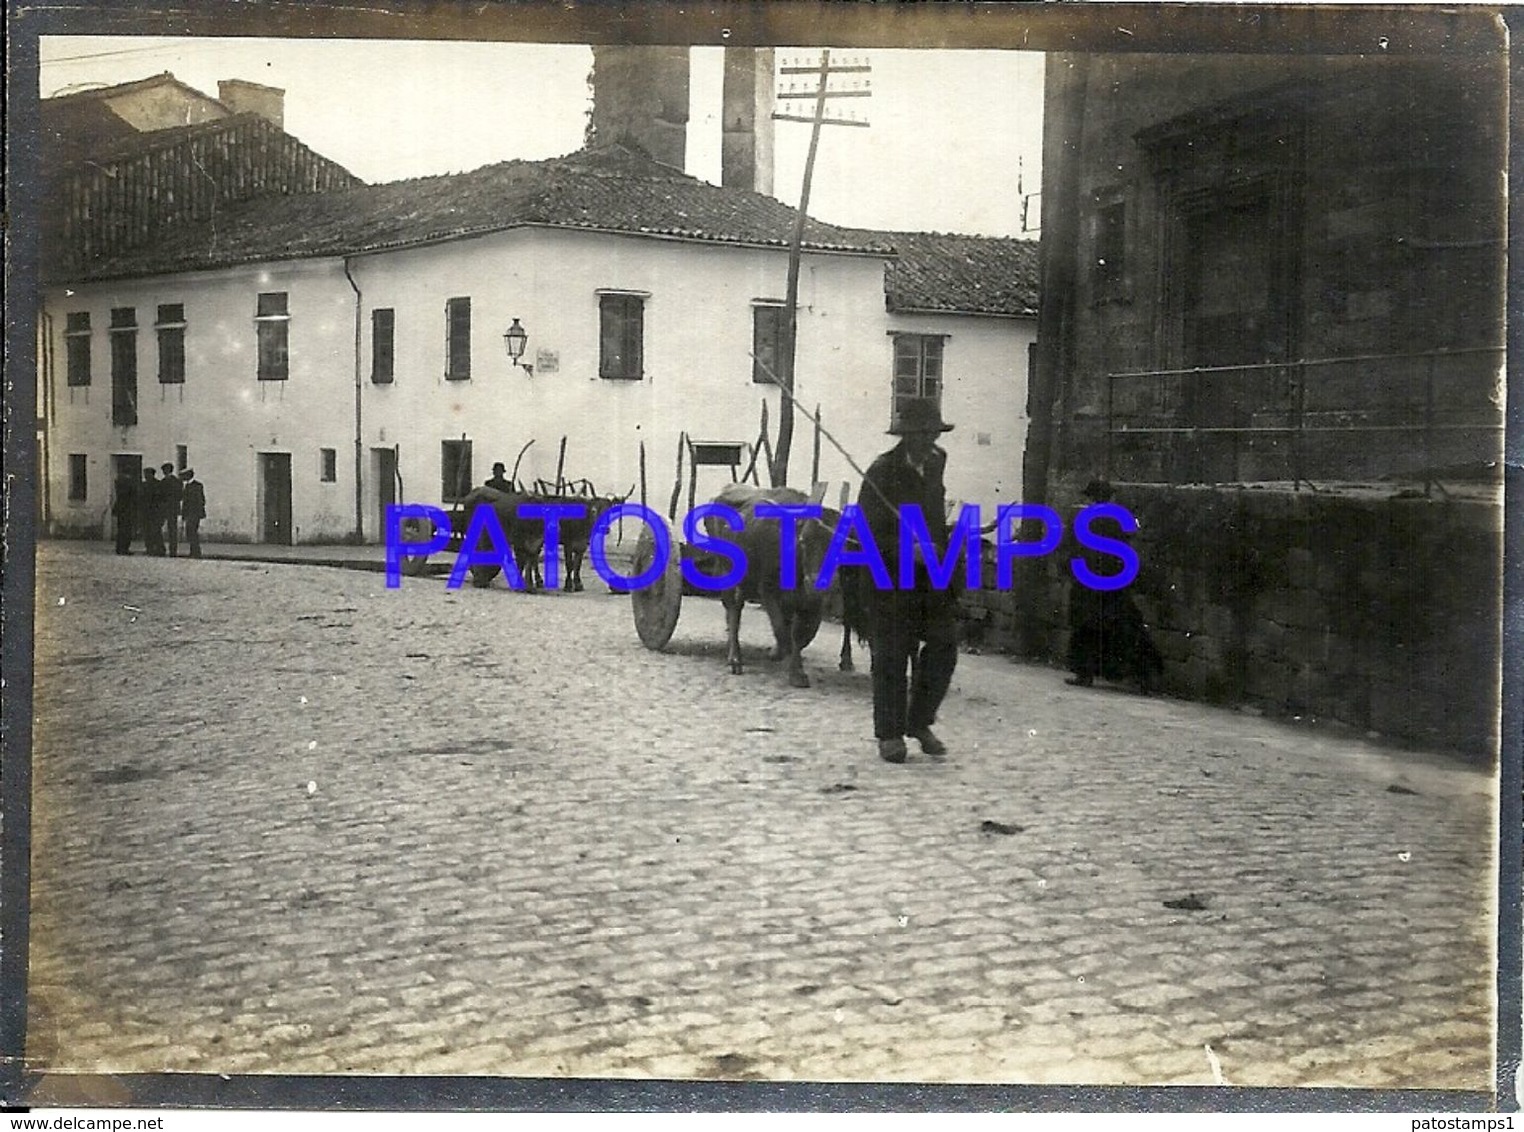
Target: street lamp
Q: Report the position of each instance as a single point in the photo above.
(515, 338)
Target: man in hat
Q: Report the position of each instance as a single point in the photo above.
(193, 507)
(150, 519)
(170, 491)
(915, 627)
(499, 482)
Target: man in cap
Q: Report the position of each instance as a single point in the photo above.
(170, 491)
(918, 626)
(193, 507)
(499, 482)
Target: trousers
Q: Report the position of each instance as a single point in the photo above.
(915, 629)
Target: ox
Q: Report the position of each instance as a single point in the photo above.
(794, 613)
(576, 534)
(526, 537)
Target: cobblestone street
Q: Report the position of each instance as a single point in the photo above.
(286, 820)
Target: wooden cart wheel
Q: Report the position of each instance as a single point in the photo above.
(657, 605)
(414, 530)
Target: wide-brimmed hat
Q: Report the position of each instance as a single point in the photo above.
(920, 415)
(499, 467)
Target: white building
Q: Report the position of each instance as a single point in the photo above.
(315, 357)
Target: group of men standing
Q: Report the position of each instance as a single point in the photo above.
(151, 509)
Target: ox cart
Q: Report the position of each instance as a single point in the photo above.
(795, 613)
(526, 536)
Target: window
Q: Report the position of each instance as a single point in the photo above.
(457, 340)
(170, 326)
(77, 344)
(455, 470)
(124, 366)
(329, 473)
(182, 457)
(917, 368)
(78, 489)
(383, 323)
(272, 323)
(621, 321)
(769, 329)
(1110, 266)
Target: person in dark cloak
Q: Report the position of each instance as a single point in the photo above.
(1108, 637)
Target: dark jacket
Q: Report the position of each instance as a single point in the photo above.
(170, 493)
(125, 505)
(193, 501)
(889, 484)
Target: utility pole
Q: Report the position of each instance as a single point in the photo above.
(820, 90)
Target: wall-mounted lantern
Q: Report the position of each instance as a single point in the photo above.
(515, 338)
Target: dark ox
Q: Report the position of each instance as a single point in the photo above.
(794, 613)
(525, 537)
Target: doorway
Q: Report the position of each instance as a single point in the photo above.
(275, 498)
(383, 470)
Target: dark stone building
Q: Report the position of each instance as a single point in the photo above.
(1272, 314)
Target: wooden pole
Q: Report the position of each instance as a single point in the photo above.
(642, 474)
(677, 476)
(815, 455)
(791, 298)
(560, 465)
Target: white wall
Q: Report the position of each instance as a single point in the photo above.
(985, 397)
(698, 337)
(223, 414)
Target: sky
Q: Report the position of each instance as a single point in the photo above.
(951, 132)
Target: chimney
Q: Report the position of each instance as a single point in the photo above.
(746, 140)
(242, 97)
(640, 94)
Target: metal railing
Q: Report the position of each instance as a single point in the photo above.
(1297, 420)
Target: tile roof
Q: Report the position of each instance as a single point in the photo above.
(76, 126)
(609, 189)
(961, 274)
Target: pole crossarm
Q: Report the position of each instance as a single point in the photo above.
(822, 121)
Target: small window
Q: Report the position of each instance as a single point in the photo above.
(621, 333)
(182, 457)
(458, 339)
(383, 323)
(455, 470)
(78, 487)
(1110, 265)
(769, 329)
(329, 472)
(170, 326)
(272, 323)
(917, 368)
(77, 345)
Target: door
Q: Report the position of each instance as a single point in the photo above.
(275, 498)
(383, 469)
(130, 466)
(1236, 313)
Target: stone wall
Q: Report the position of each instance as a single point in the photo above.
(1383, 613)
